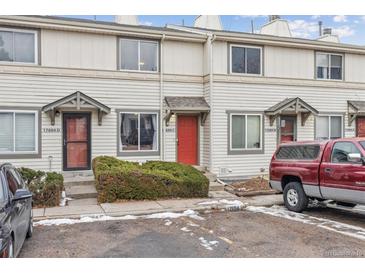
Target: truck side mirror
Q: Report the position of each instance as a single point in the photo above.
(354, 157)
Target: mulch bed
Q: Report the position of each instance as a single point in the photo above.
(251, 187)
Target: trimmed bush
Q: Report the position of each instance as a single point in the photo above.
(123, 180)
(46, 187)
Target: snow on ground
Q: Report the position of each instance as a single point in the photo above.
(168, 222)
(185, 229)
(234, 203)
(64, 199)
(208, 244)
(98, 218)
(342, 228)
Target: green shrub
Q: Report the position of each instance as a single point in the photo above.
(46, 187)
(119, 180)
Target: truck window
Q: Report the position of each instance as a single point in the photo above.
(300, 152)
(341, 150)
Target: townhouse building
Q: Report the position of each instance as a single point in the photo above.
(71, 90)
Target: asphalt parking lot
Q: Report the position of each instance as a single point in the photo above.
(255, 232)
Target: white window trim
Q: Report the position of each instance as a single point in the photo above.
(329, 124)
(329, 66)
(231, 128)
(139, 131)
(35, 46)
(36, 132)
(245, 46)
(139, 53)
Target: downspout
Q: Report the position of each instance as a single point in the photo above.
(162, 124)
(210, 40)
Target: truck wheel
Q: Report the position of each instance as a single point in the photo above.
(295, 198)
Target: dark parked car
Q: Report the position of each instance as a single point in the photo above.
(15, 211)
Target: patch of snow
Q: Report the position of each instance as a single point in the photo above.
(64, 199)
(208, 244)
(342, 228)
(101, 217)
(229, 203)
(193, 224)
(185, 229)
(168, 222)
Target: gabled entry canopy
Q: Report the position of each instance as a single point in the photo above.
(291, 106)
(354, 109)
(182, 104)
(78, 101)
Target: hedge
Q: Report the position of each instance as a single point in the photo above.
(46, 187)
(123, 180)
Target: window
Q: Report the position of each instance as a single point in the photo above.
(138, 132)
(341, 150)
(329, 66)
(18, 46)
(329, 127)
(138, 55)
(305, 152)
(246, 132)
(18, 133)
(245, 59)
(15, 182)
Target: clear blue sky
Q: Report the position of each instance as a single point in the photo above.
(351, 29)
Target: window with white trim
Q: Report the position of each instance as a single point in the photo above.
(329, 66)
(140, 55)
(18, 46)
(329, 127)
(245, 131)
(138, 131)
(245, 59)
(19, 132)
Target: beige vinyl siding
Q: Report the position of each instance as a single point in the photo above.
(78, 50)
(354, 67)
(183, 58)
(220, 57)
(37, 91)
(288, 62)
(255, 97)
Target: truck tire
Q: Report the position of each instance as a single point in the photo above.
(295, 198)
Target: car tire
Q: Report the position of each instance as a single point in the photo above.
(30, 228)
(350, 205)
(295, 198)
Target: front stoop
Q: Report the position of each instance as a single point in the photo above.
(213, 184)
(81, 189)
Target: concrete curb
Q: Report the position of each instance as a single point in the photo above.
(202, 206)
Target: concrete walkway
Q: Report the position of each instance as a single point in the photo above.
(148, 207)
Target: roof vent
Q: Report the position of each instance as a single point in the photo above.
(327, 31)
(208, 22)
(126, 19)
(276, 26)
(328, 36)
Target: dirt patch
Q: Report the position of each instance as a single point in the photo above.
(254, 186)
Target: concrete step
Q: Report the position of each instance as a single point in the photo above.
(201, 168)
(215, 186)
(83, 202)
(221, 194)
(81, 191)
(79, 180)
(211, 176)
(80, 173)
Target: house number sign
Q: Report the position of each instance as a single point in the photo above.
(51, 130)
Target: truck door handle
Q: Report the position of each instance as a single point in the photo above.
(327, 169)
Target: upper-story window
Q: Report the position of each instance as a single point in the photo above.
(246, 60)
(18, 46)
(139, 55)
(329, 66)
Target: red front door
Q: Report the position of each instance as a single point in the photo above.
(187, 139)
(76, 141)
(360, 127)
(287, 129)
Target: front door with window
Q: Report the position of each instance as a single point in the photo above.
(76, 141)
(360, 127)
(288, 128)
(187, 139)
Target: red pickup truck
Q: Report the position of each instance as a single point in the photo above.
(329, 170)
